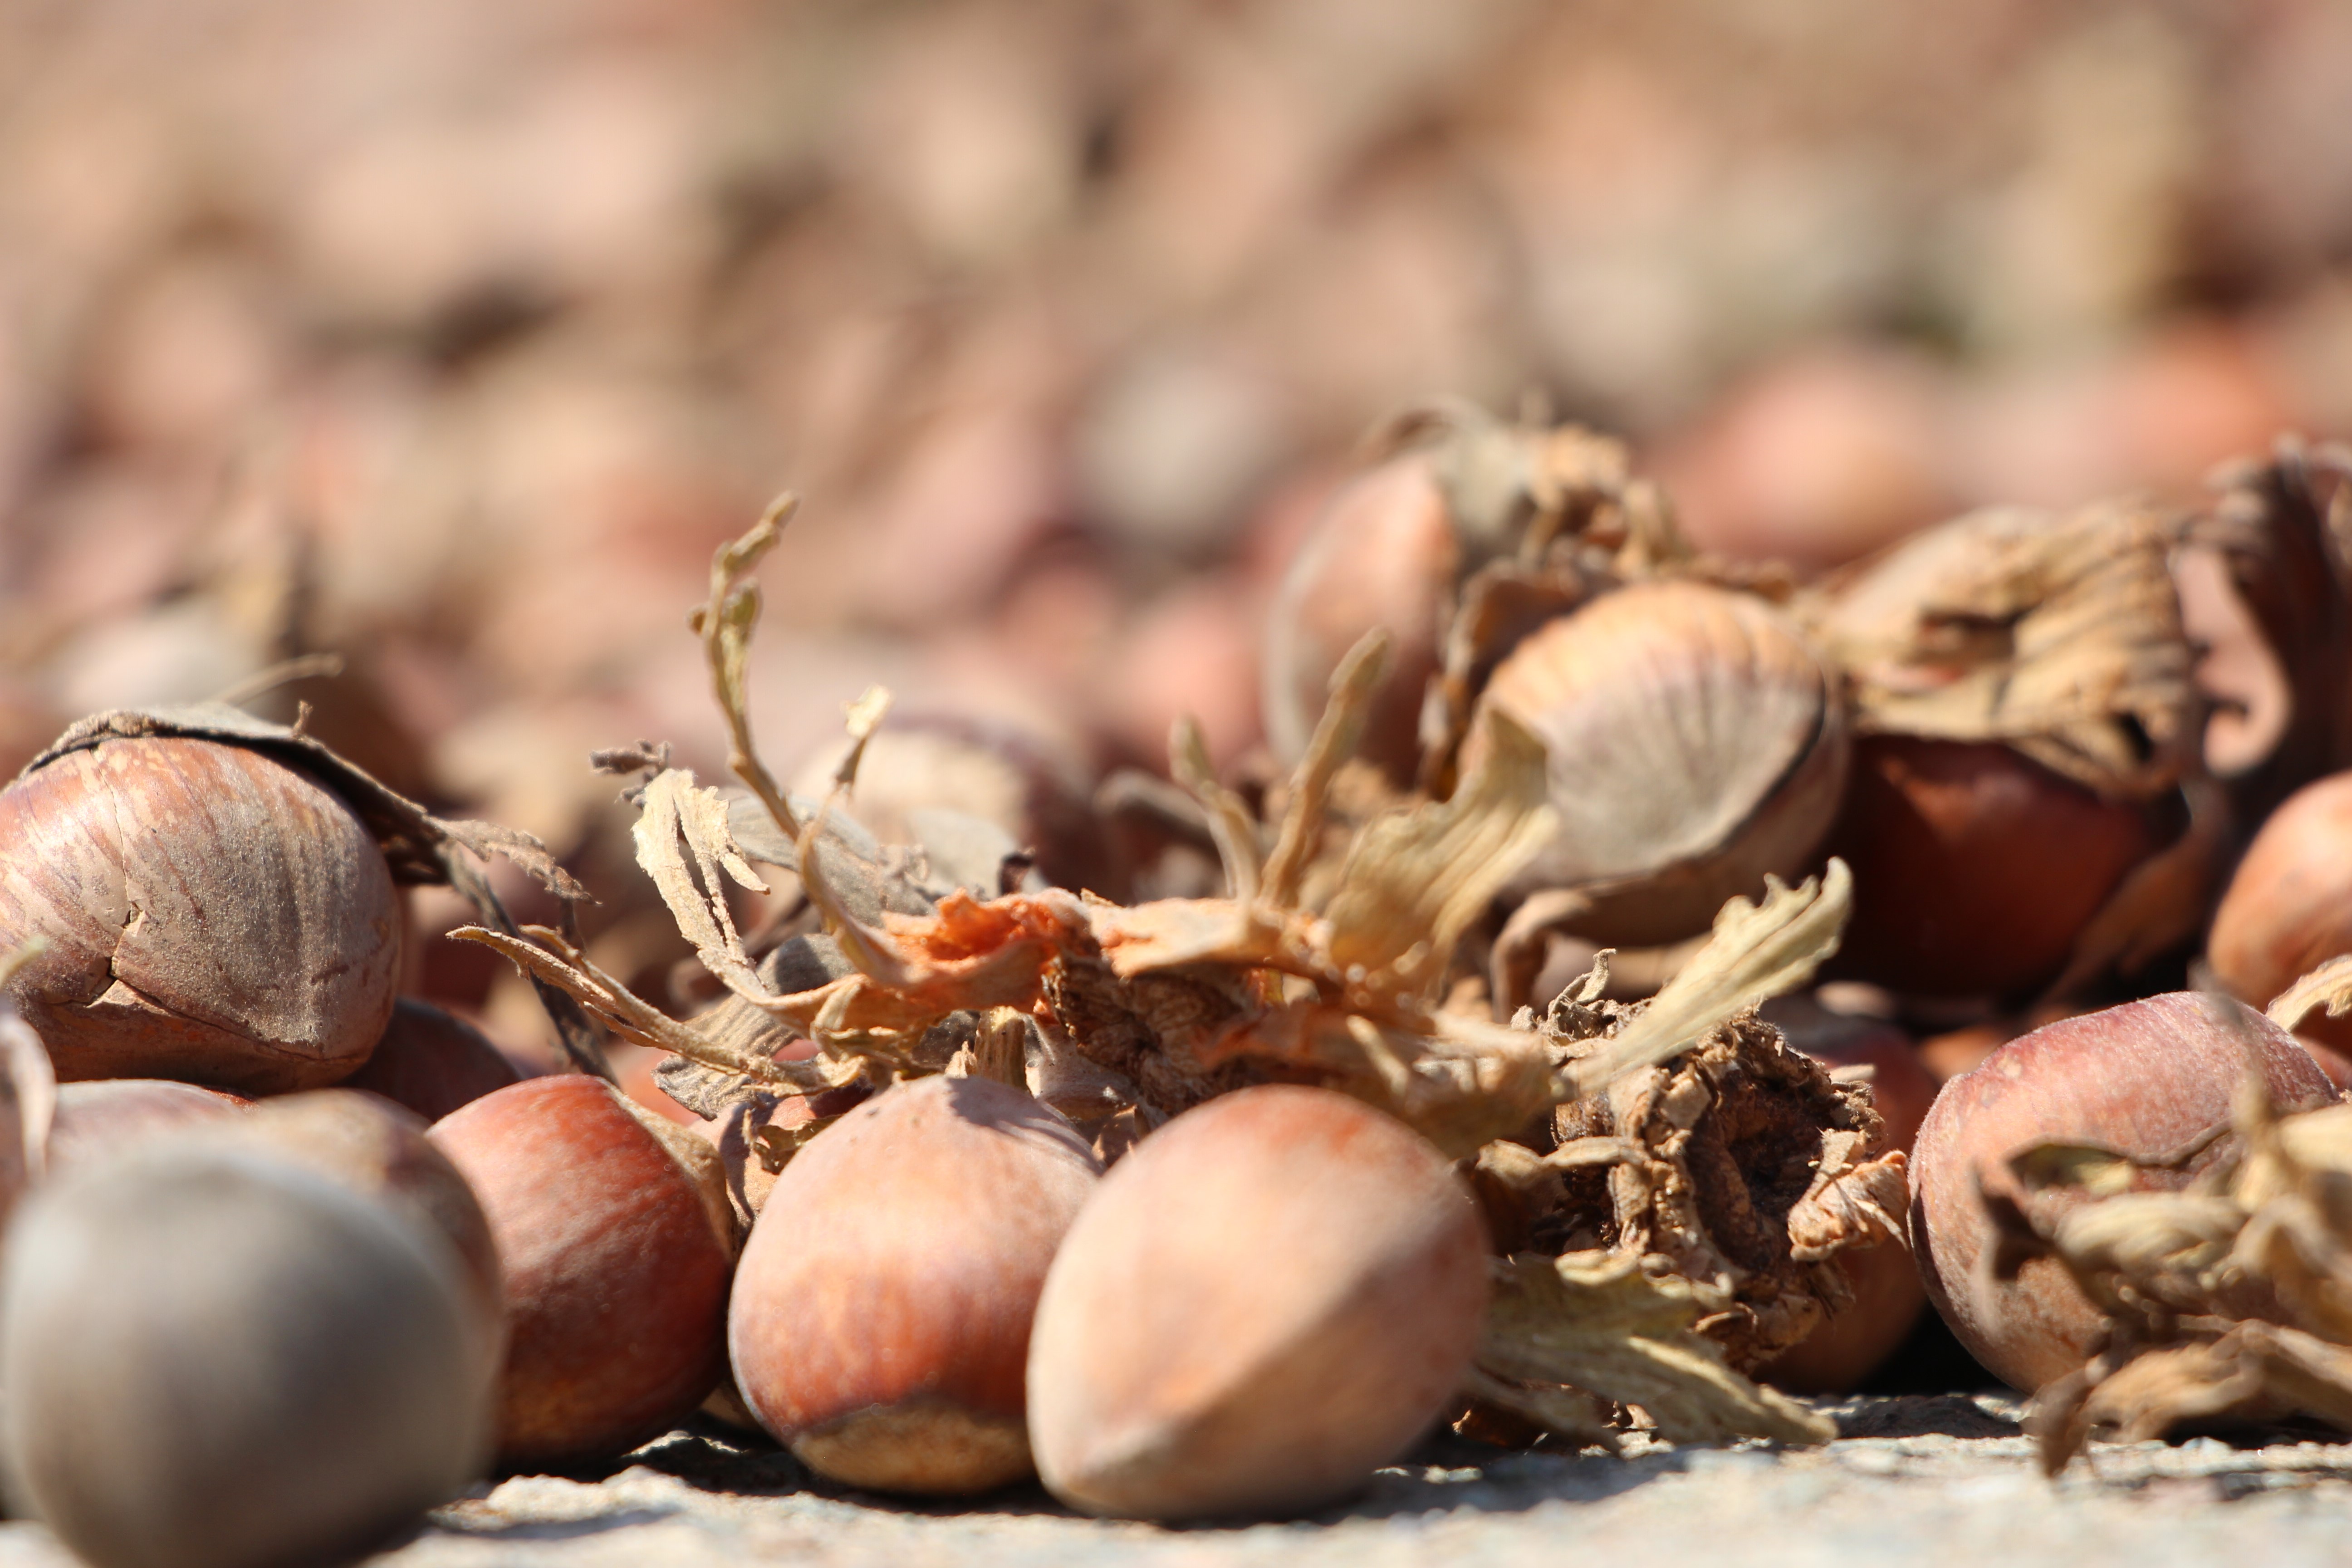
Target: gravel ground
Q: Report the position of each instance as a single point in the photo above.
(1917, 1480)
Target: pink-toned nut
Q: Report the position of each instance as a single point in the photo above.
(880, 1320)
(616, 1244)
(1267, 1299)
(2146, 1080)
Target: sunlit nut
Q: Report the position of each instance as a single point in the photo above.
(211, 915)
(617, 1245)
(1269, 1299)
(2146, 1080)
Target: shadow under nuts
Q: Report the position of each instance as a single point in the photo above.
(1273, 1296)
(881, 1316)
(211, 915)
(213, 1359)
(616, 1242)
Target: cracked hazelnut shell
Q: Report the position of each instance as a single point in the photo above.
(881, 1314)
(211, 914)
(615, 1244)
(1271, 1296)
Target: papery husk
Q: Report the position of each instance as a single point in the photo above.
(2279, 528)
(2227, 1302)
(1316, 967)
(1696, 745)
(2058, 635)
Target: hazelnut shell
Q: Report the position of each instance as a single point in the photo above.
(1272, 1296)
(210, 913)
(881, 1313)
(2146, 1079)
(615, 1255)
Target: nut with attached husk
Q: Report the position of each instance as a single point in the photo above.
(2058, 639)
(2151, 1081)
(616, 1243)
(1269, 1297)
(880, 1323)
(215, 1359)
(1696, 745)
(218, 899)
(1455, 546)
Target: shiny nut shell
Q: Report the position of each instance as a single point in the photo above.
(615, 1259)
(211, 915)
(1269, 1297)
(881, 1313)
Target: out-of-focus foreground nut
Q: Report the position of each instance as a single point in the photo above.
(617, 1252)
(1271, 1296)
(211, 915)
(213, 1359)
(881, 1315)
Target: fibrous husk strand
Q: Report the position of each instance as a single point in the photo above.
(2228, 1301)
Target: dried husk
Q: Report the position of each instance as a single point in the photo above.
(2230, 1301)
(2278, 528)
(2060, 636)
(1696, 744)
(1340, 956)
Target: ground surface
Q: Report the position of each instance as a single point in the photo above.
(1917, 1481)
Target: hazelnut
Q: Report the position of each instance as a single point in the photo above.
(381, 1150)
(213, 1359)
(2148, 1080)
(1383, 554)
(1696, 743)
(104, 1117)
(880, 1320)
(211, 914)
(1272, 1296)
(1855, 1341)
(1975, 867)
(615, 1244)
(431, 1062)
(2288, 909)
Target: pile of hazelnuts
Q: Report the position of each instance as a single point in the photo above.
(292, 1259)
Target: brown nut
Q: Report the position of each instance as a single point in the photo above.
(2146, 1080)
(1975, 867)
(1888, 1296)
(2288, 910)
(379, 1150)
(105, 1118)
(615, 1244)
(431, 1062)
(1267, 1299)
(880, 1320)
(211, 915)
(215, 1359)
